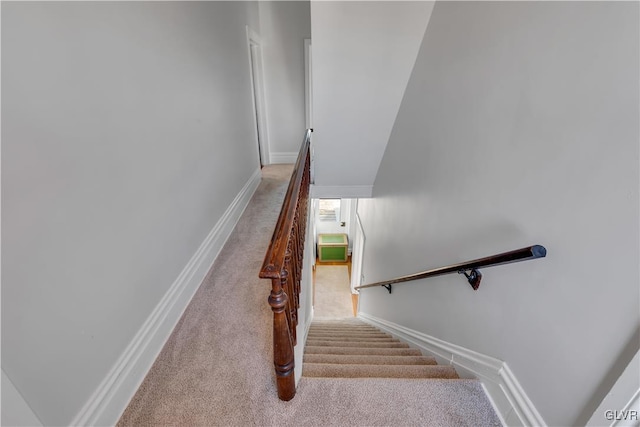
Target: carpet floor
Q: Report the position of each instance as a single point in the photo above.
(333, 292)
(356, 335)
(216, 369)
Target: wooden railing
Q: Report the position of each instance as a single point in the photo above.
(474, 276)
(283, 265)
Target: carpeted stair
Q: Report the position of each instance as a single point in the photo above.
(350, 348)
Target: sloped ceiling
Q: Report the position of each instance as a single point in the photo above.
(362, 57)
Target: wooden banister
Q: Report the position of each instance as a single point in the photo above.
(283, 265)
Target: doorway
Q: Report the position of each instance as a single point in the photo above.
(334, 225)
(257, 90)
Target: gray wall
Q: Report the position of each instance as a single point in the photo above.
(127, 131)
(363, 52)
(519, 126)
(283, 27)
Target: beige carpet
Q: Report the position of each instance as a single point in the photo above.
(356, 335)
(216, 369)
(333, 292)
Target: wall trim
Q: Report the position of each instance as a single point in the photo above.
(341, 191)
(283, 158)
(621, 406)
(503, 389)
(299, 348)
(306, 296)
(112, 396)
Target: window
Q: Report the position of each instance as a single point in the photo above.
(329, 210)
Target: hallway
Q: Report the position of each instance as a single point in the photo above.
(332, 292)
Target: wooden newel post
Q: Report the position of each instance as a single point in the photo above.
(283, 357)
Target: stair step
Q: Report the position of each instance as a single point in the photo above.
(329, 324)
(347, 338)
(384, 344)
(341, 320)
(328, 370)
(359, 329)
(350, 334)
(350, 348)
(359, 359)
(343, 326)
(310, 349)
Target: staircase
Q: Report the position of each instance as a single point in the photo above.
(350, 348)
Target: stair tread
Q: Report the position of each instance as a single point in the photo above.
(310, 349)
(384, 344)
(352, 339)
(346, 330)
(355, 359)
(367, 333)
(350, 330)
(377, 371)
(340, 320)
(341, 326)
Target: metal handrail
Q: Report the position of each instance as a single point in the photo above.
(474, 276)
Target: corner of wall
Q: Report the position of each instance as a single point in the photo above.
(341, 191)
(15, 409)
(283, 158)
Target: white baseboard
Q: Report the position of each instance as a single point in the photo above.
(507, 396)
(283, 158)
(341, 191)
(621, 405)
(112, 396)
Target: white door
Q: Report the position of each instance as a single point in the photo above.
(357, 256)
(257, 90)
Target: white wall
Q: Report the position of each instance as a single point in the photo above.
(305, 312)
(15, 411)
(283, 27)
(519, 126)
(126, 134)
(363, 53)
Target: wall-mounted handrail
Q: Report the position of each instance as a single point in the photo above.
(283, 265)
(474, 276)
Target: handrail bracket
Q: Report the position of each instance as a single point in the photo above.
(474, 277)
(388, 287)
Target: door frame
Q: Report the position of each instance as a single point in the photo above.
(308, 87)
(256, 73)
(357, 255)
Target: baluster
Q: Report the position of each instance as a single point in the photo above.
(296, 257)
(287, 283)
